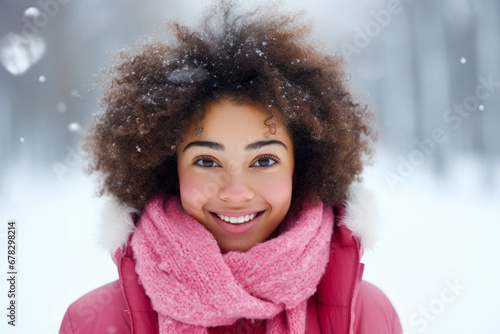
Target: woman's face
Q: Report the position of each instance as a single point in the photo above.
(236, 170)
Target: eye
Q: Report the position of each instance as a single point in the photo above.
(206, 162)
(266, 161)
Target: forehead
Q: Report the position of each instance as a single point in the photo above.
(236, 122)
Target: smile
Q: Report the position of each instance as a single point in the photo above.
(237, 223)
(237, 220)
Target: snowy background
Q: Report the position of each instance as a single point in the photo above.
(423, 65)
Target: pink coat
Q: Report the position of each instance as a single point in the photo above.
(343, 303)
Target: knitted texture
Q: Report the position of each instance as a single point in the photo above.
(193, 286)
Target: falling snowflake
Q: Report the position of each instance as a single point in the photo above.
(75, 93)
(463, 60)
(74, 127)
(18, 54)
(32, 12)
(187, 74)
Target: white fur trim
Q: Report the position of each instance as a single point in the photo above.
(361, 214)
(116, 224)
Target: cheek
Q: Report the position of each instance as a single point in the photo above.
(278, 189)
(193, 190)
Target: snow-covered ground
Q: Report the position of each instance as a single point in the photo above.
(436, 256)
(437, 251)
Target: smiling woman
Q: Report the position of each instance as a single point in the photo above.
(239, 170)
(231, 155)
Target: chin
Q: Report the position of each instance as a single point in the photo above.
(237, 248)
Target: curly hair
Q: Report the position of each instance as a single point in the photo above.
(154, 91)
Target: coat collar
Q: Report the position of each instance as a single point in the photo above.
(360, 217)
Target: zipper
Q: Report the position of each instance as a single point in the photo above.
(120, 270)
(354, 288)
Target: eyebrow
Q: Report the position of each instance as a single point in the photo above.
(219, 147)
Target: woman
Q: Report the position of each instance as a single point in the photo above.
(233, 154)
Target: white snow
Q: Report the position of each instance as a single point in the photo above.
(32, 12)
(188, 75)
(434, 231)
(75, 93)
(19, 53)
(58, 258)
(463, 60)
(74, 127)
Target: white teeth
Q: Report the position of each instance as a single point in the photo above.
(237, 220)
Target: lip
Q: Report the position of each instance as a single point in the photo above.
(237, 228)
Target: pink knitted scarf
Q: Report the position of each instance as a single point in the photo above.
(193, 286)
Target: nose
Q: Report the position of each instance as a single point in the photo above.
(236, 188)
